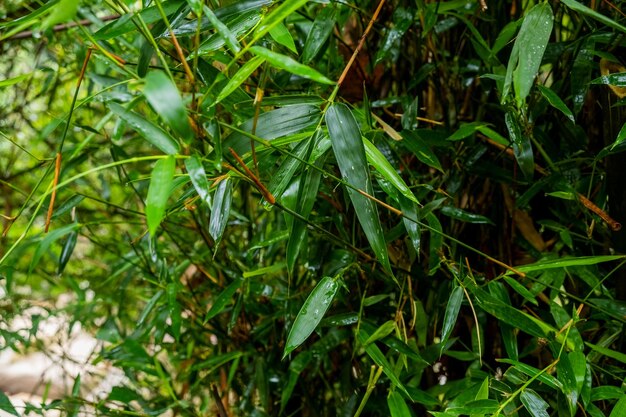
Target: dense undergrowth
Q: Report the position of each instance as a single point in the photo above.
(257, 224)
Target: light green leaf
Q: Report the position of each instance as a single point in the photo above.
(221, 209)
(578, 7)
(452, 311)
(620, 408)
(14, 80)
(482, 394)
(383, 331)
(535, 405)
(319, 33)
(159, 192)
(194, 167)
(276, 16)
(152, 133)
(621, 136)
(556, 102)
(242, 75)
(312, 311)
(397, 405)
(466, 130)
(62, 12)
(165, 99)
(382, 165)
(567, 375)
(223, 31)
(521, 290)
(290, 65)
(610, 353)
(568, 261)
(281, 35)
(350, 154)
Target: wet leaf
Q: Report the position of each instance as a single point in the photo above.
(281, 35)
(222, 30)
(465, 216)
(290, 65)
(350, 154)
(311, 313)
(194, 167)
(556, 102)
(535, 405)
(240, 77)
(382, 165)
(319, 33)
(152, 133)
(276, 16)
(163, 96)
(159, 191)
(580, 8)
(522, 147)
(452, 311)
(221, 209)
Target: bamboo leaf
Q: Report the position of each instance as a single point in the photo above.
(5, 404)
(65, 10)
(452, 311)
(223, 299)
(319, 33)
(420, 149)
(382, 165)
(223, 31)
(312, 311)
(522, 147)
(221, 209)
(281, 35)
(535, 405)
(397, 405)
(350, 154)
(242, 75)
(290, 65)
(159, 192)
(152, 133)
(556, 102)
(48, 240)
(580, 8)
(194, 167)
(620, 408)
(163, 96)
(276, 16)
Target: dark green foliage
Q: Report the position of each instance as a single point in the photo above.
(241, 217)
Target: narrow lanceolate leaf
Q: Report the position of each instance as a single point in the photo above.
(528, 51)
(452, 312)
(397, 405)
(224, 32)
(223, 299)
(5, 405)
(65, 10)
(281, 35)
(522, 147)
(580, 8)
(242, 75)
(556, 102)
(66, 252)
(198, 178)
(350, 154)
(382, 165)
(159, 192)
(311, 313)
(221, 209)
(410, 218)
(276, 16)
(319, 33)
(290, 65)
(535, 405)
(621, 136)
(151, 132)
(620, 408)
(163, 96)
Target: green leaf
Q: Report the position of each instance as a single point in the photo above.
(452, 311)
(65, 10)
(312, 311)
(476, 406)
(126, 23)
(532, 372)
(282, 36)
(66, 252)
(149, 307)
(379, 359)
(621, 136)
(163, 96)
(238, 26)
(420, 149)
(580, 8)
(319, 33)
(382, 165)
(522, 147)
(221, 209)
(528, 51)
(465, 216)
(350, 154)
(535, 405)
(47, 240)
(223, 299)
(194, 167)
(152, 133)
(410, 218)
(159, 192)
(223, 31)
(435, 243)
(568, 261)
(466, 130)
(482, 394)
(290, 65)
(15, 80)
(383, 331)
(567, 375)
(620, 408)
(521, 290)
(397, 405)
(556, 102)
(276, 16)
(610, 353)
(5, 404)
(242, 75)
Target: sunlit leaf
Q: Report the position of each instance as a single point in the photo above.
(65, 10)
(159, 192)
(152, 133)
(311, 313)
(165, 99)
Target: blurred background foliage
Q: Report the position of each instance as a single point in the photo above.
(254, 225)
